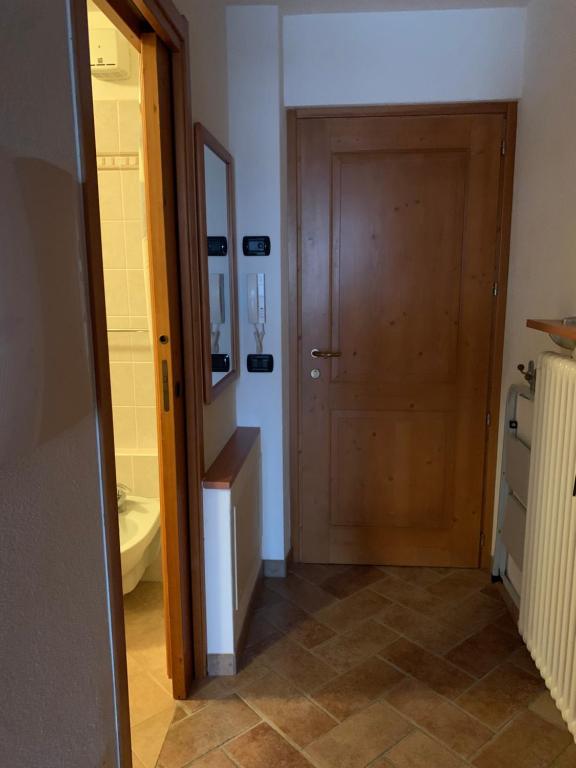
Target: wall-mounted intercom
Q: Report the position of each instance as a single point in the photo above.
(256, 283)
(256, 245)
(217, 246)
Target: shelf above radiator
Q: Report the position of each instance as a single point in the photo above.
(554, 328)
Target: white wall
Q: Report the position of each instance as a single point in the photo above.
(385, 58)
(57, 705)
(543, 256)
(254, 67)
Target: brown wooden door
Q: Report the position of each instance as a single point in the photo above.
(397, 247)
(165, 290)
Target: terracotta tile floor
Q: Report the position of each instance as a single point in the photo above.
(352, 667)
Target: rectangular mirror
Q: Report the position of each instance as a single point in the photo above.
(216, 232)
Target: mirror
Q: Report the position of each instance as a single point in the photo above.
(216, 232)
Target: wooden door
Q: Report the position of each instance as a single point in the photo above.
(397, 244)
(165, 290)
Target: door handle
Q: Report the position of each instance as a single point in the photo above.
(324, 354)
(165, 386)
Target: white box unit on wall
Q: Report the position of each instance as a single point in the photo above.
(109, 54)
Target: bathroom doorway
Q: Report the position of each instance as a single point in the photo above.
(134, 111)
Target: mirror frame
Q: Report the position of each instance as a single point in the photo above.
(203, 138)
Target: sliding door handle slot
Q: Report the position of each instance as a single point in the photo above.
(165, 386)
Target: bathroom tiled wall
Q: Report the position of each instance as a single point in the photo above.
(122, 212)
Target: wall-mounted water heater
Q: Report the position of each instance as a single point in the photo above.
(109, 54)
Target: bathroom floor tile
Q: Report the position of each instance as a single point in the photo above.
(147, 698)
(148, 736)
(262, 747)
(436, 672)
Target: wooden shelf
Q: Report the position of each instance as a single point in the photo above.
(554, 327)
(231, 458)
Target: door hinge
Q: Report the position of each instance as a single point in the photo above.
(495, 288)
(488, 419)
(503, 148)
(482, 540)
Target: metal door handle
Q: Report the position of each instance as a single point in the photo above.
(324, 354)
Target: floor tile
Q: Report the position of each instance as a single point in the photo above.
(522, 658)
(290, 711)
(422, 577)
(352, 580)
(494, 591)
(264, 597)
(296, 623)
(259, 630)
(136, 762)
(298, 665)
(417, 750)
(436, 672)
(147, 698)
(501, 694)
(460, 584)
(346, 651)
(148, 737)
(314, 572)
(346, 614)
(217, 759)
(357, 688)
(421, 629)
(528, 742)
(262, 747)
(361, 739)
(205, 730)
(410, 595)
(567, 759)
(302, 593)
(545, 707)
(471, 615)
(480, 653)
(445, 721)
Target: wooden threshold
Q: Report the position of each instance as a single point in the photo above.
(227, 465)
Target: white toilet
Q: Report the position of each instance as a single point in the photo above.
(139, 521)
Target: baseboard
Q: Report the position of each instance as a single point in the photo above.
(221, 664)
(277, 569)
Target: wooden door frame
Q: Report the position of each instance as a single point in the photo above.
(508, 109)
(136, 17)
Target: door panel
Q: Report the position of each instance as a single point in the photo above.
(165, 293)
(397, 249)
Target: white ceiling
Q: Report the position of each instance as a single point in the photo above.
(290, 7)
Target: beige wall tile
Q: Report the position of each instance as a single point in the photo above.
(116, 291)
(106, 126)
(113, 249)
(122, 381)
(131, 194)
(133, 233)
(110, 195)
(146, 426)
(146, 476)
(144, 384)
(141, 348)
(130, 125)
(124, 471)
(136, 292)
(125, 434)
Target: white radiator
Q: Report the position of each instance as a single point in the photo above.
(548, 604)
